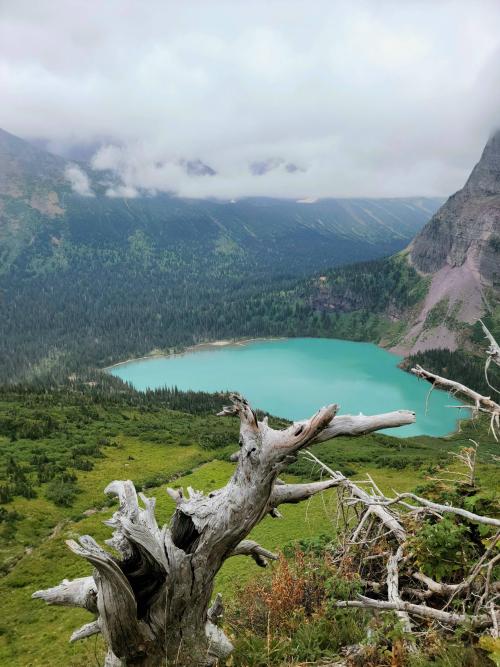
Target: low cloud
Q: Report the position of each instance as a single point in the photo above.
(222, 99)
(124, 191)
(79, 181)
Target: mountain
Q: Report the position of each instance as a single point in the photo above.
(459, 250)
(88, 275)
(426, 300)
(41, 191)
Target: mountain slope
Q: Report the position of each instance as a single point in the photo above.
(40, 192)
(88, 278)
(429, 296)
(460, 249)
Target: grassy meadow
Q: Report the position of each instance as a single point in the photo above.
(153, 447)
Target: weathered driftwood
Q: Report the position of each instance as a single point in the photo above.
(377, 509)
(153, 601)
(480, 403)
(438, 507)
(493, 351)
(448, 618)
(381, 524)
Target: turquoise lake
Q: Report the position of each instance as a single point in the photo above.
(294, 377)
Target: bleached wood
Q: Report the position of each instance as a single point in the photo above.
(296, 493)
(493, 350)
(457, 387)
(448, 618)
(481, 403)
(393, 587)
(80, 592)
(250, 548)
(476, 587)
(352, 425)
(153, 601)
(440, 588)
(86, 630)
(356, 491)
(355, 425)
(438, 507)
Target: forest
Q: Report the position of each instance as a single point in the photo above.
(97, 310)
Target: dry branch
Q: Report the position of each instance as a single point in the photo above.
(438, 507)
(360, 494)
(250, 548)
(478, 399)
(493, 350)
(448, 618)
(480, 403)
(153, 601)
(377, 531)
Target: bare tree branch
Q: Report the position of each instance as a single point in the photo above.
(477, 621)
(481, 403)
(253, 549)
(438, 507)
(80, 592)
(493, 350)
(384, 515)
(295, 493)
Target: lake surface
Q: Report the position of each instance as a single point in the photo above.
(294, 377)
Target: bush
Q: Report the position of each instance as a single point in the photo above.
(217, 440)
(61, 492)
(82, 464)
(443, 549)
(289, 616)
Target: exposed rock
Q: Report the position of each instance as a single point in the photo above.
(467, 226)
(460, 246)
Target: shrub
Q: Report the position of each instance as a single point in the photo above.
(61, 491)
(216, 440)
(290, 616)
(443, 549)
(82, 464)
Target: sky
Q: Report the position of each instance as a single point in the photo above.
(283, 98)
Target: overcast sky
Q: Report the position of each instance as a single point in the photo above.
(293, 98)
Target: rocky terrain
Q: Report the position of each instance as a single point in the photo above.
(459, 249)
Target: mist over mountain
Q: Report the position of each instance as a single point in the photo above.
(430, 296)
(81, 257)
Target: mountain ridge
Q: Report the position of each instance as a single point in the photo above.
(460, 249)
(429, 296)
(88, 279)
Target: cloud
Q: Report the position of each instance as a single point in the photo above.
(124, 191)
(79, 180)
(369, 98)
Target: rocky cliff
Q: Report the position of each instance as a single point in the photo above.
(459, 249)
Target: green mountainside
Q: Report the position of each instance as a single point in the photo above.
(88, 280)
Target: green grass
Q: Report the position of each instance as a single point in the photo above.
(35, 634)
(147, 445)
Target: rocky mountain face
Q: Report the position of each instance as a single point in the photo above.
(459, 251)
(467, 227)
(28, 175)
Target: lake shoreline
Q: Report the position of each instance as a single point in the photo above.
(199, 347)
(298, 369)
